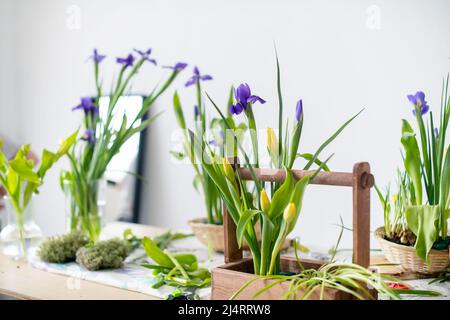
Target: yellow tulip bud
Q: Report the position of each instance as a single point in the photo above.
(394, 198)
(228, 169)
(265, 202)
(289, 212)
(272, 145)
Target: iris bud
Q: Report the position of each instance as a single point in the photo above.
(289, 212)
(265, 202)
(228, 169)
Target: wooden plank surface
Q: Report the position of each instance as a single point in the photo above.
(19, 280)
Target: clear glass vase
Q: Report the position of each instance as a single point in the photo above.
(85, 206)
(21, 233)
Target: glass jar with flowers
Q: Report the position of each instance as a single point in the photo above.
(101, 141)
(22, 181)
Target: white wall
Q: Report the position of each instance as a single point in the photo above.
(329, 56)
(8, 105)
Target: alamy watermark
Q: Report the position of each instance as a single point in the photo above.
(73, 19)
(373, 19)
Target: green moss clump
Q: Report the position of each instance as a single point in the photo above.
(61, 249)
(108, 254)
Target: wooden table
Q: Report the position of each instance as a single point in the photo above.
(21, 281)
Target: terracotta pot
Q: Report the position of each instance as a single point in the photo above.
(213, 234)
(406, 256)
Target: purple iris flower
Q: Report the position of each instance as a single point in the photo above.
(243, 97)
(299, 110)
(89, 136)
(127, 62)
(146, 54)
(419, 100)
(179, 66)
(197, 77)
(97, 57)
(87, 105)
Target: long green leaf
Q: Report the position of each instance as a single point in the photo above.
(329, 140)
(48, 159)
(297, 199)
(246, 218)
(280, 107)
(281, 197)
(178, 111)
(444, 193)
(412, 159)
(423, 221)
(156, 254)
(317, 161)
(21, 167)
(66, 144)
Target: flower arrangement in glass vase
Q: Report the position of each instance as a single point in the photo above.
(279, 212)
(21, 181)
(90, 156)
(208, 230)
(417, 215)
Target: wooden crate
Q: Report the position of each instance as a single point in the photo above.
(237, 271)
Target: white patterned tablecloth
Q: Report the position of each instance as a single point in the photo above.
(132, 276)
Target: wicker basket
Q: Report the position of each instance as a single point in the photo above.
(406, 256)
(213, 234)
(208, 234)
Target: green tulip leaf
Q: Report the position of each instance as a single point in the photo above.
(281, 197)
(22, 152)
(156, 254)
(29, 190)
(22, 168)
(412, 159)
(48, 159)
(317, 161)
(66, 144)
(200, 273)
(3, 160)
(12, 181)
(423, 222)
(329, 140)
(187, 260)
(244, 220)
(179, 111)
(297, 199)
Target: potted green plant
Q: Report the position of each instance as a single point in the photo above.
(22, 181)
(100, 142)
(415, 232)
(278, 215)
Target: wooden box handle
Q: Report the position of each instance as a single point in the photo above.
(361, 180)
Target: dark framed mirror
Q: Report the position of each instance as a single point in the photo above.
(124, 175)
